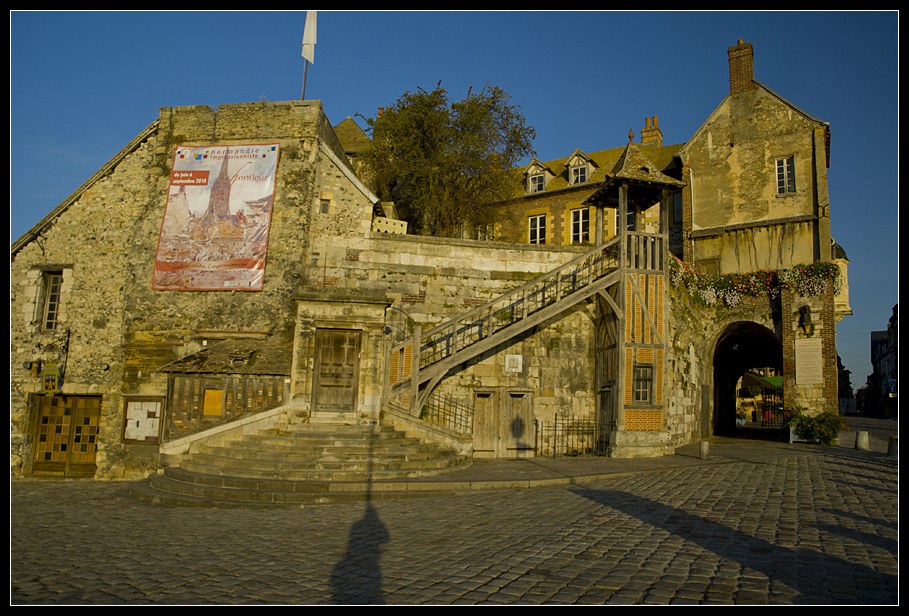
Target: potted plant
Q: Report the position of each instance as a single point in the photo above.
(823, 428)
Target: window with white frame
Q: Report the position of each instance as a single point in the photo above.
(643, 384)
(785, 175)
(536, 183)
(50, 306)
(580, 226)
(537, 229)
(578, 174)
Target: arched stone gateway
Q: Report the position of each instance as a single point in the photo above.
(743, 346)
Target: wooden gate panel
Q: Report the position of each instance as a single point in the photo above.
(516, 432)
(66, 438)
(485, 425)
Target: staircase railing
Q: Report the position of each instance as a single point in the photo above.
(477, 330)
(645, 251)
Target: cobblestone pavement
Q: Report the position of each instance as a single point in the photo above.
(818, 526)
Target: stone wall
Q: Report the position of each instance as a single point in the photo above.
(114, 330)
(736, 218)
(809, 353)
(433, 279)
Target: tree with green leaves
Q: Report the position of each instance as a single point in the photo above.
(445, 163)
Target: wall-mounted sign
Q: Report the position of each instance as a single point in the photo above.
(514, 363)
(214, 235)
(50, 377)
(809, 361)
(142, 422)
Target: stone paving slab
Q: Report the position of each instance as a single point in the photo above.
(753, 524)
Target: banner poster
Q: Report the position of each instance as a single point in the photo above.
(214, 236)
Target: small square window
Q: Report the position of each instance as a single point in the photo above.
(536, 183)
(643, 384)
(324, 205)
(579, 174)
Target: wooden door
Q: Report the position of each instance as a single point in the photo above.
(517, 432)
(503, 425)
(337, 370)
(485, 425)
(66, 438)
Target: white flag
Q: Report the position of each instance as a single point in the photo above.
(309, 37)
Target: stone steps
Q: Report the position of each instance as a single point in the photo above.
(302, 465)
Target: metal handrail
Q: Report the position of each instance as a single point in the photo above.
(642, 251)
(479, 323)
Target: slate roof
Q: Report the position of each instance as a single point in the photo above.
(604, 161)
(838, 252)
(242, 356)
(634, 165)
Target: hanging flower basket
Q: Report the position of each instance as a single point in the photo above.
(729, 289)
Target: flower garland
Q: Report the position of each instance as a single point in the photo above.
(730, 288)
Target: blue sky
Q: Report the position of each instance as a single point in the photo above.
(83, 84)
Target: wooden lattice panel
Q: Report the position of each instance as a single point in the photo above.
(394, 366)
(408, 360)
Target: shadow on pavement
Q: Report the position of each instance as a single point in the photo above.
(801, 570)
(357, 578)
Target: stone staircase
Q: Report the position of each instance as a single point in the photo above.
(301, 465)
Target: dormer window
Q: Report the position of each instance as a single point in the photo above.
(536, 183)
(536, 176)
(578, 174)
(580, 168)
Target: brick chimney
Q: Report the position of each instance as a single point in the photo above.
(741, 68)
(651, 135)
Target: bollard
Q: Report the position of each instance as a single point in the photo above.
(893, 446)
(705, 450)
(862, 441)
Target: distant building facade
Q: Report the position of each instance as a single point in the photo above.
(880, 395)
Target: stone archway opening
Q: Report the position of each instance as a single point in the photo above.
(744, 348)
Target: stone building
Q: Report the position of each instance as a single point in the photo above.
(880, 394)
(229, 271)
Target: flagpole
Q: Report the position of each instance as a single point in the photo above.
(305, 70)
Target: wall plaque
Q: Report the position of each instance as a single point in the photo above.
(809, 361)
(514, 363)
